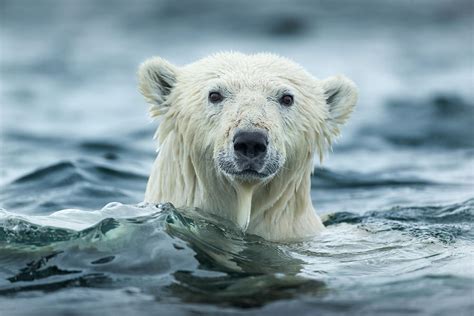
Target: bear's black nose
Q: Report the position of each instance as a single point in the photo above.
(250, 144)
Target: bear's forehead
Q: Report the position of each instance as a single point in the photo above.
(239, 70)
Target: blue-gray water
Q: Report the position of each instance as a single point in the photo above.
(76, 149)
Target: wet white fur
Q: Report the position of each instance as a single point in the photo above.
(193, 131)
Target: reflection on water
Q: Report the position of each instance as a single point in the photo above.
(396, 194)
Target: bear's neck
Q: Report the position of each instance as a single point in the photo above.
(283, 210)
(278, 210)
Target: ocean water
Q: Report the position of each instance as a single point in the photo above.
(76, 148)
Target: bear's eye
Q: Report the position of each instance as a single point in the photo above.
(215, 97)
(286, 100)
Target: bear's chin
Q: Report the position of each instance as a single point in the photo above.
(248, 176)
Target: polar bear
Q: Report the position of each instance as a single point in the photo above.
(237, 138)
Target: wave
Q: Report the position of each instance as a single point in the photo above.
(444, 120)
(161, 242)
(72, 184)
(326, 178)
(446, 223)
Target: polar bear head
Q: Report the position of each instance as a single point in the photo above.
(251, 115)
(233, 124)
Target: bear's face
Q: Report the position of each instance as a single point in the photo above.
(252, 116)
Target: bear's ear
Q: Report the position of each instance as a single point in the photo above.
(341, 97)
(156, 79)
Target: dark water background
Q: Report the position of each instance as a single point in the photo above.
(74, 136)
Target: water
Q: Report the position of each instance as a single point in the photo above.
(396, 261)
(76, 149)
